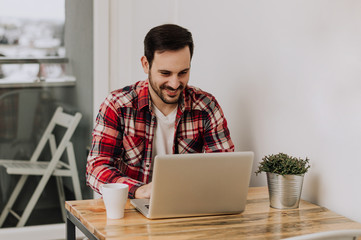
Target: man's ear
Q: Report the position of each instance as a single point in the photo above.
(145, 64)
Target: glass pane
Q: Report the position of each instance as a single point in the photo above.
(34, 30)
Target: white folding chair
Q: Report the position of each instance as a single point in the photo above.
(54, 167)
(27, 101)
(347, 234)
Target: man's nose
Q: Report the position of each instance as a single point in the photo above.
(174, 82)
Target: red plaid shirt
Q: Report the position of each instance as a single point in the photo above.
(123, 134)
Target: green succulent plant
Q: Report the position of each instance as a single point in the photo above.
(283, 164)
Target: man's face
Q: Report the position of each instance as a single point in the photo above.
(169, 75)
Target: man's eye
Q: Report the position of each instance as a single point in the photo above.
(165, 73)
(182, 73)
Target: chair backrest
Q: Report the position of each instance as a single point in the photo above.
(347, 234)
(18, 108)
(65, 120)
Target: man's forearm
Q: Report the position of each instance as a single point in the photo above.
(98, 173)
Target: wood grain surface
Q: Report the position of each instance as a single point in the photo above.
(258, 221)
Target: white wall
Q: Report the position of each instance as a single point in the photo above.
(287, 74)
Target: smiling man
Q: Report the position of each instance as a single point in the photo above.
(161, 115)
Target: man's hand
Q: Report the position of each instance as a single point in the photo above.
(144, 191)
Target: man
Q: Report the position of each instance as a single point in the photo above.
(161, 115)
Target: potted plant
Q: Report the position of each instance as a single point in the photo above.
(284, 178)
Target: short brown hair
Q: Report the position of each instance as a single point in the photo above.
(166, 37)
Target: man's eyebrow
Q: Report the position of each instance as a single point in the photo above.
(168, 71)
(185, 70)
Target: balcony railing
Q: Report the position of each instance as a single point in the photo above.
(50, 72)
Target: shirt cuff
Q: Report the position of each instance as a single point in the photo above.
(131, 193)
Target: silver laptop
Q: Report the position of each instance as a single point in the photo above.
(198, 184)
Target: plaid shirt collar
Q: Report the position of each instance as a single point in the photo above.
(144, 99)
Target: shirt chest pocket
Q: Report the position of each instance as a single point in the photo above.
(133, 150)
(189, 136)
(190, 145)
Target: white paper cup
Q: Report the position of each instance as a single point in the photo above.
(115, 197)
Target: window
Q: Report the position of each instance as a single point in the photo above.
(35, 30)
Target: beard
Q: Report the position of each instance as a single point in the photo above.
(160, 91)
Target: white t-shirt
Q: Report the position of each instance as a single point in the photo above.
(164, 132)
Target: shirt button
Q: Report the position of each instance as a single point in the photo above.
(147, 165)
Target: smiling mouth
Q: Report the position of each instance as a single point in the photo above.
(172, 93)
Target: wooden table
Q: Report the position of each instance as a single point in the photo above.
(258, 221)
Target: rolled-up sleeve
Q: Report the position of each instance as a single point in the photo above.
(105, 152)
(217, 136)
